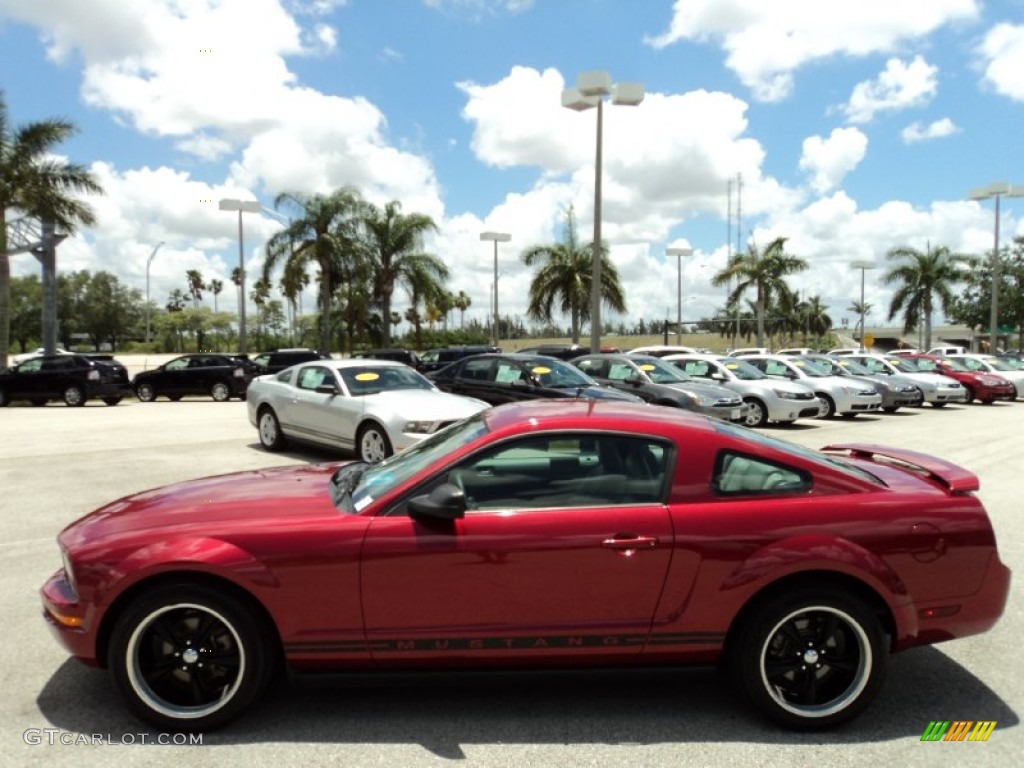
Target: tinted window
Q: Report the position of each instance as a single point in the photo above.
(742, 475)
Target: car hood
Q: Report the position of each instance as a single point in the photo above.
(600, 393)
(212, 503)
(438, 405)
(712, 391)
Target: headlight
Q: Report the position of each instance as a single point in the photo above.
(785, 395)
(69, 573)
(990, 382)
(418, 427)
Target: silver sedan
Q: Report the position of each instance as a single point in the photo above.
(372, 407)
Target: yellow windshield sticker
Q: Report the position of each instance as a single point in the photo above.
(798, 363)
(646, 367)
(367, 376)
(540, 370)
(732, 366)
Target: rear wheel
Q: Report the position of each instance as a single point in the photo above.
(111, 400)
(269, 429)
(145, 393)
(970, 394)
(174, 398)
(372, 443)
(757, 413)
(891, 409)
(810, 659)
(3, 399)
(74, 396)
(830, 406)
(220, 392)
(187, 658)
(939, 405)
(38, 402)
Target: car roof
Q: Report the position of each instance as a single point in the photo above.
(598, 415)
(357, 362)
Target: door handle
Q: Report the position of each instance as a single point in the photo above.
(627, 545)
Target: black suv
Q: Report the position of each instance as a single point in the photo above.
(71, 378)
(220, 376)
(436, 359)
(406, 356)
(277, 361)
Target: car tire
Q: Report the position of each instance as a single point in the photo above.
(757, 413)
(891, 409)
(3, 399)
(38, 402)
(939, 405)
(74, 396)
(220, 392)
(809, 659)
(830, 405)
(269, 429)
(111, 400)
(186, 657)
(372, 443)
(174, 398)
(970, 394)
(146, 393)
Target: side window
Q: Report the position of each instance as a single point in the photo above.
(620, 371)
(478, 370)
(697, 368)
(590, 367)
(178, 365)
(508, 372)
(57, 364)
(31, 366)
(774, 368)
(262, 360)
(314, 376)
(743, 475)
(544, 472)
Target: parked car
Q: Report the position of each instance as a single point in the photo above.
(746, 351)
(767, 399)
(279, 359)
(947, 350)
(799, 351)
(23, 356)
(436, 359)
(220, 376)
(372, 407)
(985, 386)
(938, 390)
(75, 379)
(998, 365)
(508, 377)
(841, 395)
(655, 381)
(662, 350)
(406, 356)
(568, 533)
(896, 391)
(561, 351)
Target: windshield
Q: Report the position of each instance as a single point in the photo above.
(1000, 364)
(374, 379)
(954, 364)
(905, 365)
(927, 366)
(661, 372)
(741, 370)
(810, 367)
(357, 485)
(852, 367)
(556, 374)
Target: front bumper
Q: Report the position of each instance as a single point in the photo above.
(69, 621)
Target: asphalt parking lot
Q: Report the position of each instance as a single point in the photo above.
(57, 463)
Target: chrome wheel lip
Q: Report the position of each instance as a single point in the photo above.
(857, 684)
(149, 697)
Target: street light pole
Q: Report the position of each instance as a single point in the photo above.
(242, 206)
(590, 90)
(995, 190)
(679, 252)
(496, 237)
(863, 265)
(149, 261)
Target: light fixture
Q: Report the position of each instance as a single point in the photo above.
(496, 237)
(242, 206)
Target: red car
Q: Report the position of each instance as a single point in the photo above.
(572, 533)
(980, 385)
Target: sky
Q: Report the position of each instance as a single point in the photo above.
(848, 128)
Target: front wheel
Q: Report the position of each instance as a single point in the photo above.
(3, 399)
(810, 659)
(220, 392)
(757, 413)
(372, 443)
(145, 393)
(939, 405)
(830, 406)
(970, 394)
(74, 396)
(111, 400)
(187, 658)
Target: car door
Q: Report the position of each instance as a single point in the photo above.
(173, 377)
(562, 551)
(318, 416)
(25, 380)
(475, 378)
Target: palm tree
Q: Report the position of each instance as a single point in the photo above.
(216, 286)
(462, 303)
(196, 286)
(36, 183)
(765, 272)
(565, 276)
(394, 251)
(920, 279)
(293, 282)
(324, 233)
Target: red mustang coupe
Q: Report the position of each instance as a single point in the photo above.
(546, 533)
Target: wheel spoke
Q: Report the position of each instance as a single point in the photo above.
(775, 668)
(809, 687)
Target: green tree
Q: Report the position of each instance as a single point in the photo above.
(564, 278)
(323, 232)
(921, 278)
(216, 287)
(393, 243)
(462, 302)
(973, 306)
(26, 310)
(765, 273)
(35, 182)
(196, 286)
(109, 310)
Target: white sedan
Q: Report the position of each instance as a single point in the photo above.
(372, 407)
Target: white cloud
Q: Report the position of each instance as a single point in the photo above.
(1003, 55)
(827, 161)
(766, 42)
(938, 129)
(900, 86)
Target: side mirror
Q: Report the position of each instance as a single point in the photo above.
(446, 502)
(327, 389)
(635, 379)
